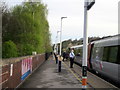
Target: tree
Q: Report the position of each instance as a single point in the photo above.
(9, 50)
(27, 26)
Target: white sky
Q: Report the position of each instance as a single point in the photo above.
(102, 18)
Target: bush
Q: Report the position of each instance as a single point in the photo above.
(9, 49)
(26, 49)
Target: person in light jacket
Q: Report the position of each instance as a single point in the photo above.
(72, 56)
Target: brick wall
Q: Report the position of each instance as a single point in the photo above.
(7, 81)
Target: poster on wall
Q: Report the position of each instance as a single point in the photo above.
(26, 67)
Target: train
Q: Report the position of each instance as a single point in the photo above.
(103, 57)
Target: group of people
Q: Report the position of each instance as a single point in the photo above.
(67, 56)
(70, 55)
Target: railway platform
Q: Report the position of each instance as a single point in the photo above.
(47, 76)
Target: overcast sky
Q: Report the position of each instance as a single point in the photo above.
(102, 18)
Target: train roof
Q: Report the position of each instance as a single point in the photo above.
(110, 41)
(77, 46)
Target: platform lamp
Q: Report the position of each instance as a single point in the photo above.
(59, 65)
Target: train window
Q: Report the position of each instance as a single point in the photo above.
(78, 51)
(105, 54)
(113, 54)
(75, 51)
(110, 54)
(81, 52)
(118, 56)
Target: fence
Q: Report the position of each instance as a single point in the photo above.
(13, 74)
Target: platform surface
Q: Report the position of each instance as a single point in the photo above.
(47, 76)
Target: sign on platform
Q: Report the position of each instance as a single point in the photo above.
(26, 67)
(11, 69)
(90, 3)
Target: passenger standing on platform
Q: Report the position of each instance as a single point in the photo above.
(67, 56)
(55, 55)
(64, 55)
(72, 56)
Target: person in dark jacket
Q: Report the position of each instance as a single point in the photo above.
(64, 55)
(67, 56)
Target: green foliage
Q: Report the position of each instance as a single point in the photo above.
(27, 26)
(9, 50)
(26, 49)
(66, 43)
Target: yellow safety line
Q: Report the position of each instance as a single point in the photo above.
(73, 73)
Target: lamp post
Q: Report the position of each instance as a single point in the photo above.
(59, 65)
(56, 43)
(87, 5)
(61, 36)
(56, 48)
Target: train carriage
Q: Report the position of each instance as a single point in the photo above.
(103, 57)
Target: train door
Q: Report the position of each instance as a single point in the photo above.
(96, 61)
(90, 47)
